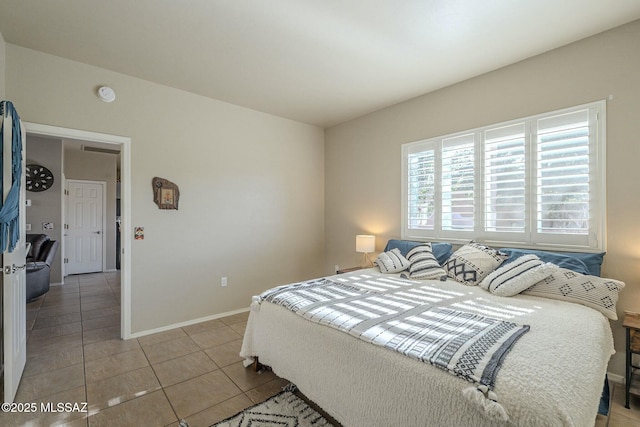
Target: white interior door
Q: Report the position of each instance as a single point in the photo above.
(84, 236)
(14, 306)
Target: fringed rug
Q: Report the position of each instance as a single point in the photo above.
(285, 409)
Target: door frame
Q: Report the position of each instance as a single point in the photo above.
(103, 184)
(125, 197)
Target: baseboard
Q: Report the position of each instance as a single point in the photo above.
(187, 323)
(615, 378)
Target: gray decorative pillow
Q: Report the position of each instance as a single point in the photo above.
(424, 264)
(473, 262)
(596, 292)
(392, 261)
(516, 276)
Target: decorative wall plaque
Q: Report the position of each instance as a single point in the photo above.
(165, 193)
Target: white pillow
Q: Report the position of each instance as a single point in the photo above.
(424, 264)
(596, 292)
(473, 262)
(518, 275)
(392, 261)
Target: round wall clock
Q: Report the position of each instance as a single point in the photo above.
(38, 178)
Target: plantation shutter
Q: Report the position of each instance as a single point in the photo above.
(421, 188)
(458, 183)
(505, 179)
(564, 175)
(534, 182)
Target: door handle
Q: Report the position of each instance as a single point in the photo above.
(98, 232)
(13, 268)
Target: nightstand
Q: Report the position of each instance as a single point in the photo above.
(348, 270)
(632, 324)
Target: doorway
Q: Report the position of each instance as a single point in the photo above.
(124, 146)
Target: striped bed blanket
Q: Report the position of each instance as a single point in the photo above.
(467, 345)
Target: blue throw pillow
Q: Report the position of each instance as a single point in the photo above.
(441, 250)
(585, 263)
(592, 261)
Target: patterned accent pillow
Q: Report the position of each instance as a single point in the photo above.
(512, 278)
(596, 292)
(392, 262)
(472, 262)
(424, 264)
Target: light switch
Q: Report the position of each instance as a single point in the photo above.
(27, 227)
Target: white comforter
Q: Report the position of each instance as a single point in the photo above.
(553, 376)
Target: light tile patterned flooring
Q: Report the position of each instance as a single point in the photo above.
(74, 354)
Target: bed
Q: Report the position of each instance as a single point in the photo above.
(552, 375)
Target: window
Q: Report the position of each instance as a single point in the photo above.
(537, 182)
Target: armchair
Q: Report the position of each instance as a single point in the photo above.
(39, 259)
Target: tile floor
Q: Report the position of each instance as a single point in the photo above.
(74, 355)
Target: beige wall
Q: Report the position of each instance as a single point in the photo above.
(2, 67)
(251, 185)
(97, 167)
(46, 206)
(363, 156)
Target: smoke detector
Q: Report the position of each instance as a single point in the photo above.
(106, 94)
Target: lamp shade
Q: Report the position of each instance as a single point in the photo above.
(365, 243)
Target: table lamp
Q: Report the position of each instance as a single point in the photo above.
(365, 243)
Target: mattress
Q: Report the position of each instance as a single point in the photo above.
(552, 376)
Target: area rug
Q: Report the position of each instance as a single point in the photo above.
(285, 409)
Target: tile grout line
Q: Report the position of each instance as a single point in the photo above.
(159, 382)
(41, 398)
(84, 360)
(203, 350)
(83, 342)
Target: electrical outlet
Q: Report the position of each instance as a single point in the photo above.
(223, 281)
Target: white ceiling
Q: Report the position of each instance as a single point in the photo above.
(315, 61)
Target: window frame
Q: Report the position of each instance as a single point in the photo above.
(593, 241)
